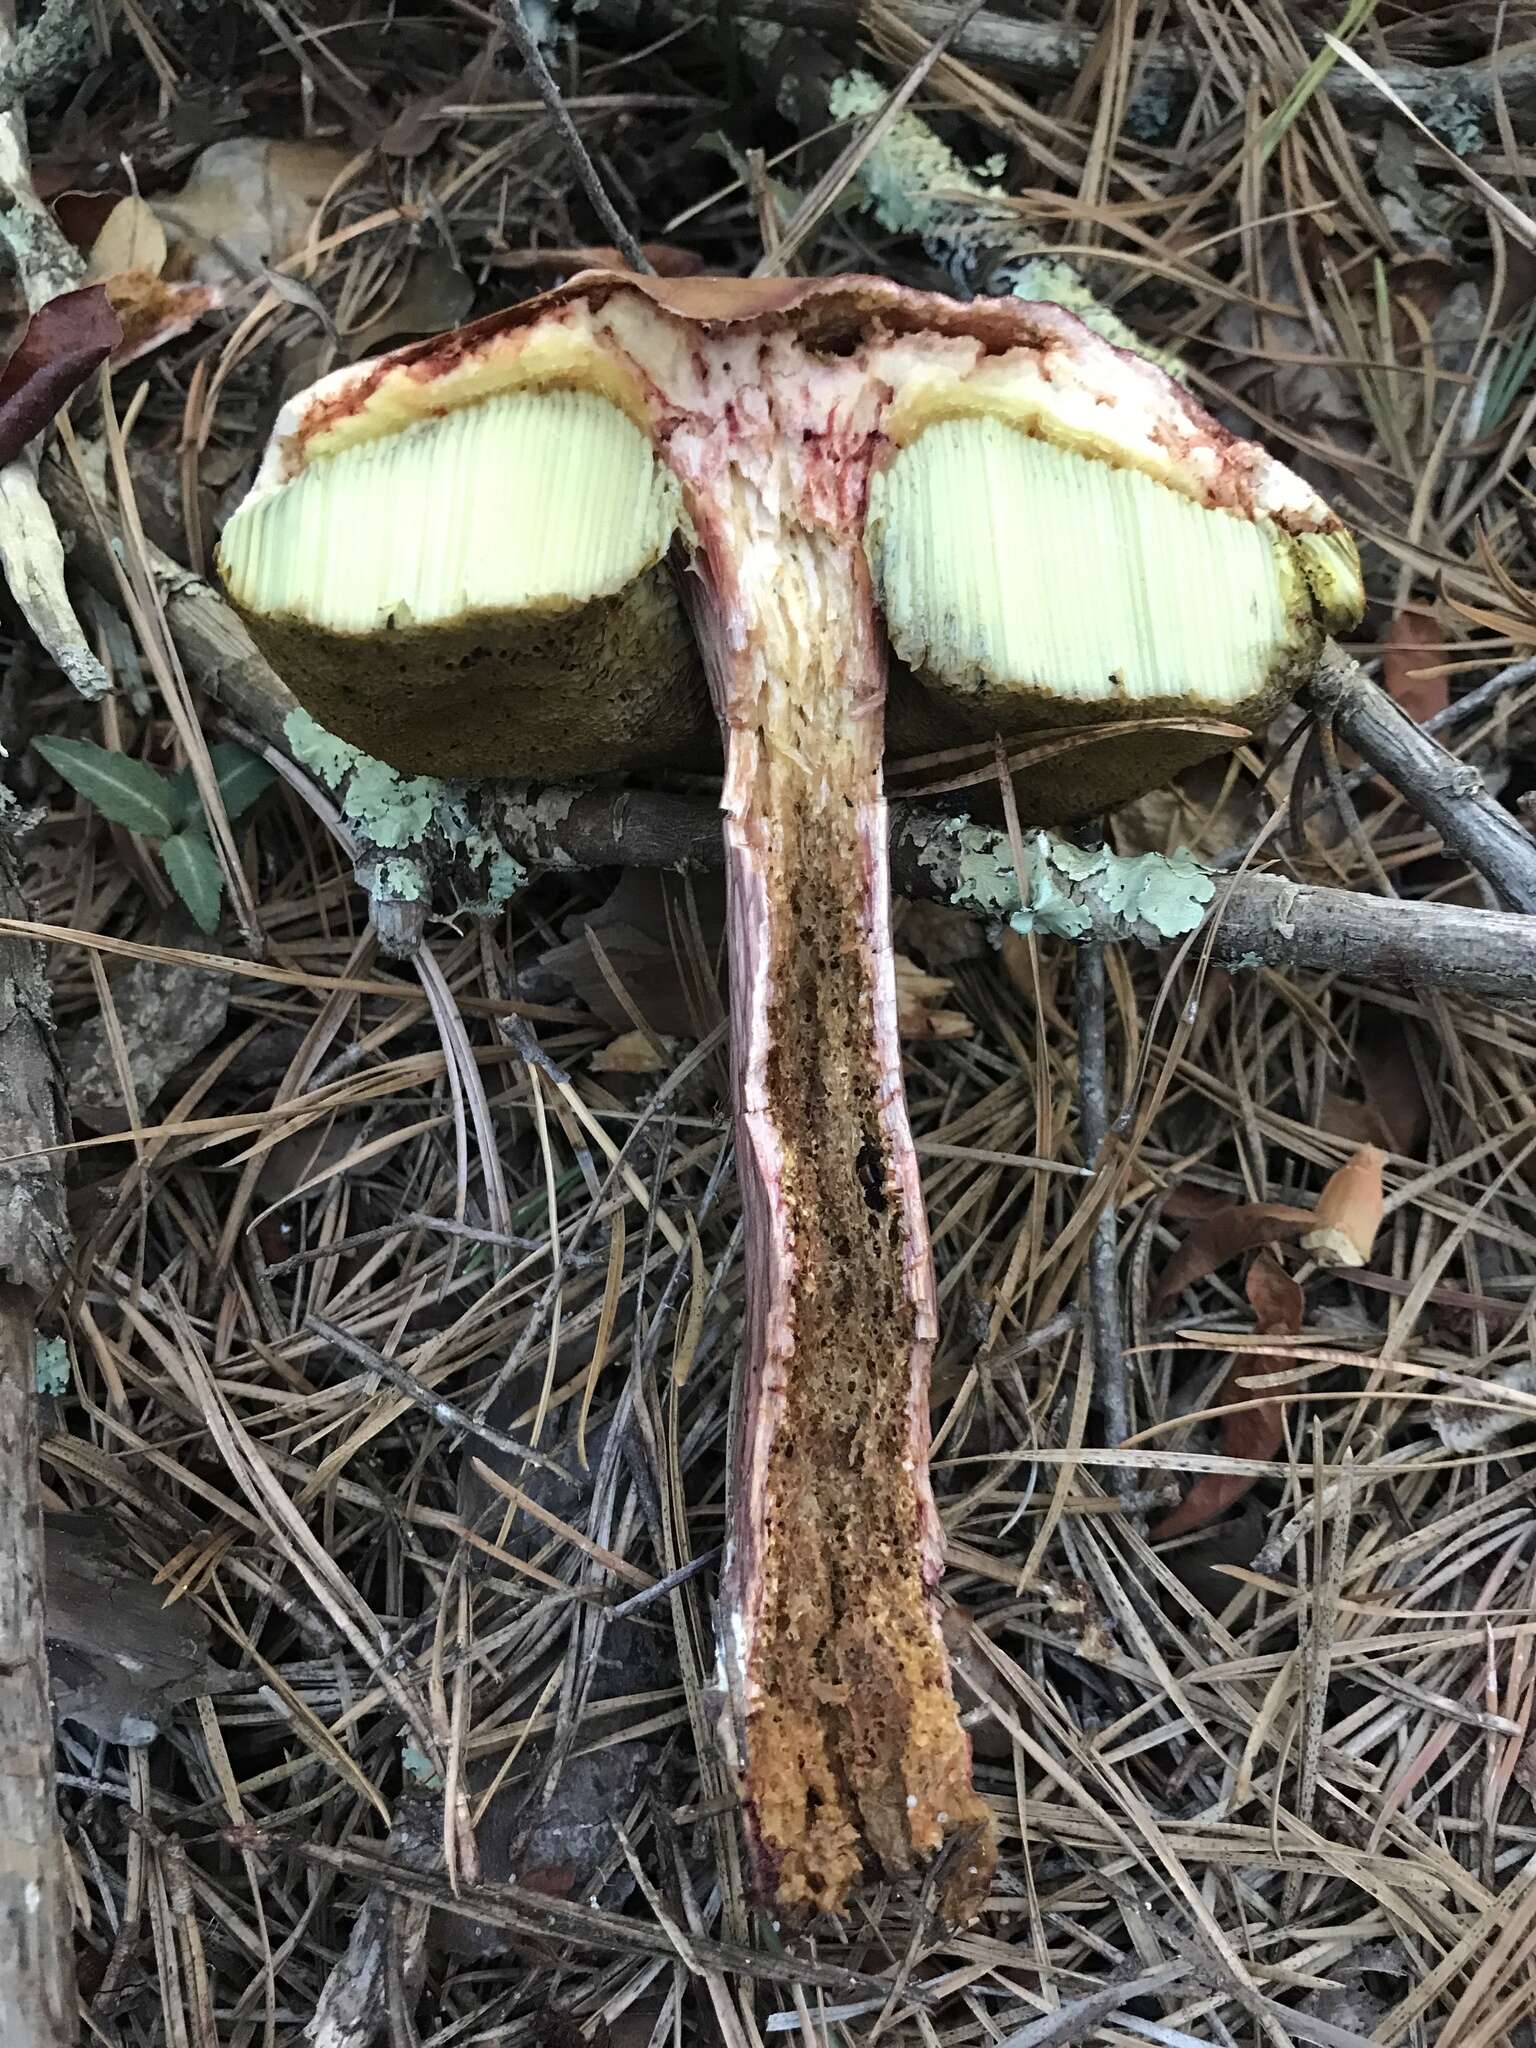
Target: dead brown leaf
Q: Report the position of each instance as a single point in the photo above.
(1217, 1239)
(130, 238)
(919, 1004)
(247, 204)
(1407, 667)
(1255, 1429)
(632, 1053)
(60, 346)
(433, 295)
(642, 930)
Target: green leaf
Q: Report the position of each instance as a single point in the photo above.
(193, 867)
(186, 809)
(243, 776)
(127, 791)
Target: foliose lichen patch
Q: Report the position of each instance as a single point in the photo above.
(414, 830)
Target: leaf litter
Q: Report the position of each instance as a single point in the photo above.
(1255, 1727)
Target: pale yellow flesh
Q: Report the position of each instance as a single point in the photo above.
(527, 501)
(999, 558)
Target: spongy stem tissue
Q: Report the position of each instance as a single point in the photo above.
(850, 1743)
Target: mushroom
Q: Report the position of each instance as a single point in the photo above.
(456, 556)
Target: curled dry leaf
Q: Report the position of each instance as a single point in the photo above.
(1222, 1237)
(919, 1000)
(153, 312)
(1348, 1213)
(632, 1052)
(125, 248)
(246, 204)
(60, 346)
(1256, 1428)
(1408, 668)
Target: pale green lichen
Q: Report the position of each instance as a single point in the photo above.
(419, 1767)
(318, 750)
(412, 827)
(1050, 908)
(393, 879)
(391, 808)
(984, 878)
(1455, 118)
(901, 177)
(50, 1365)
(1069, 891)
(915, 184)
(1167, 892)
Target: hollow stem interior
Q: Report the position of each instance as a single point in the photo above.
(852, 1741)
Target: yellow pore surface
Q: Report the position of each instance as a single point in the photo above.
(531, 500)
(1002, 559)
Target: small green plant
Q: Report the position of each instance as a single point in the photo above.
(165, 808)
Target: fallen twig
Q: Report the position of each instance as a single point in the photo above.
(1259, 919)
(1447, 97)
(541, 1916)
(37, 1990)
(1093, 1128)
(1447, 793)
(510, 13)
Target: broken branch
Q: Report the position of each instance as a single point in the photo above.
(1248, 919)
(1447, 793)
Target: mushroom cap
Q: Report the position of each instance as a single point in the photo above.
(485, 694)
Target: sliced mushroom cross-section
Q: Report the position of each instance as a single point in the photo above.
(1054, 534)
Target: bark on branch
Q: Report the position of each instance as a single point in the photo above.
(1453, 99)
(1248, 919)
(37, 1994)
(1446, 793)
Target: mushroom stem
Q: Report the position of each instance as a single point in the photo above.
(847, 1734)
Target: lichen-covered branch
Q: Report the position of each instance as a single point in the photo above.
(1458, 101)
(915, 184)
(54, 46)
(460, 845)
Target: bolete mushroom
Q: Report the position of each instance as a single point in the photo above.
(457, 556)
